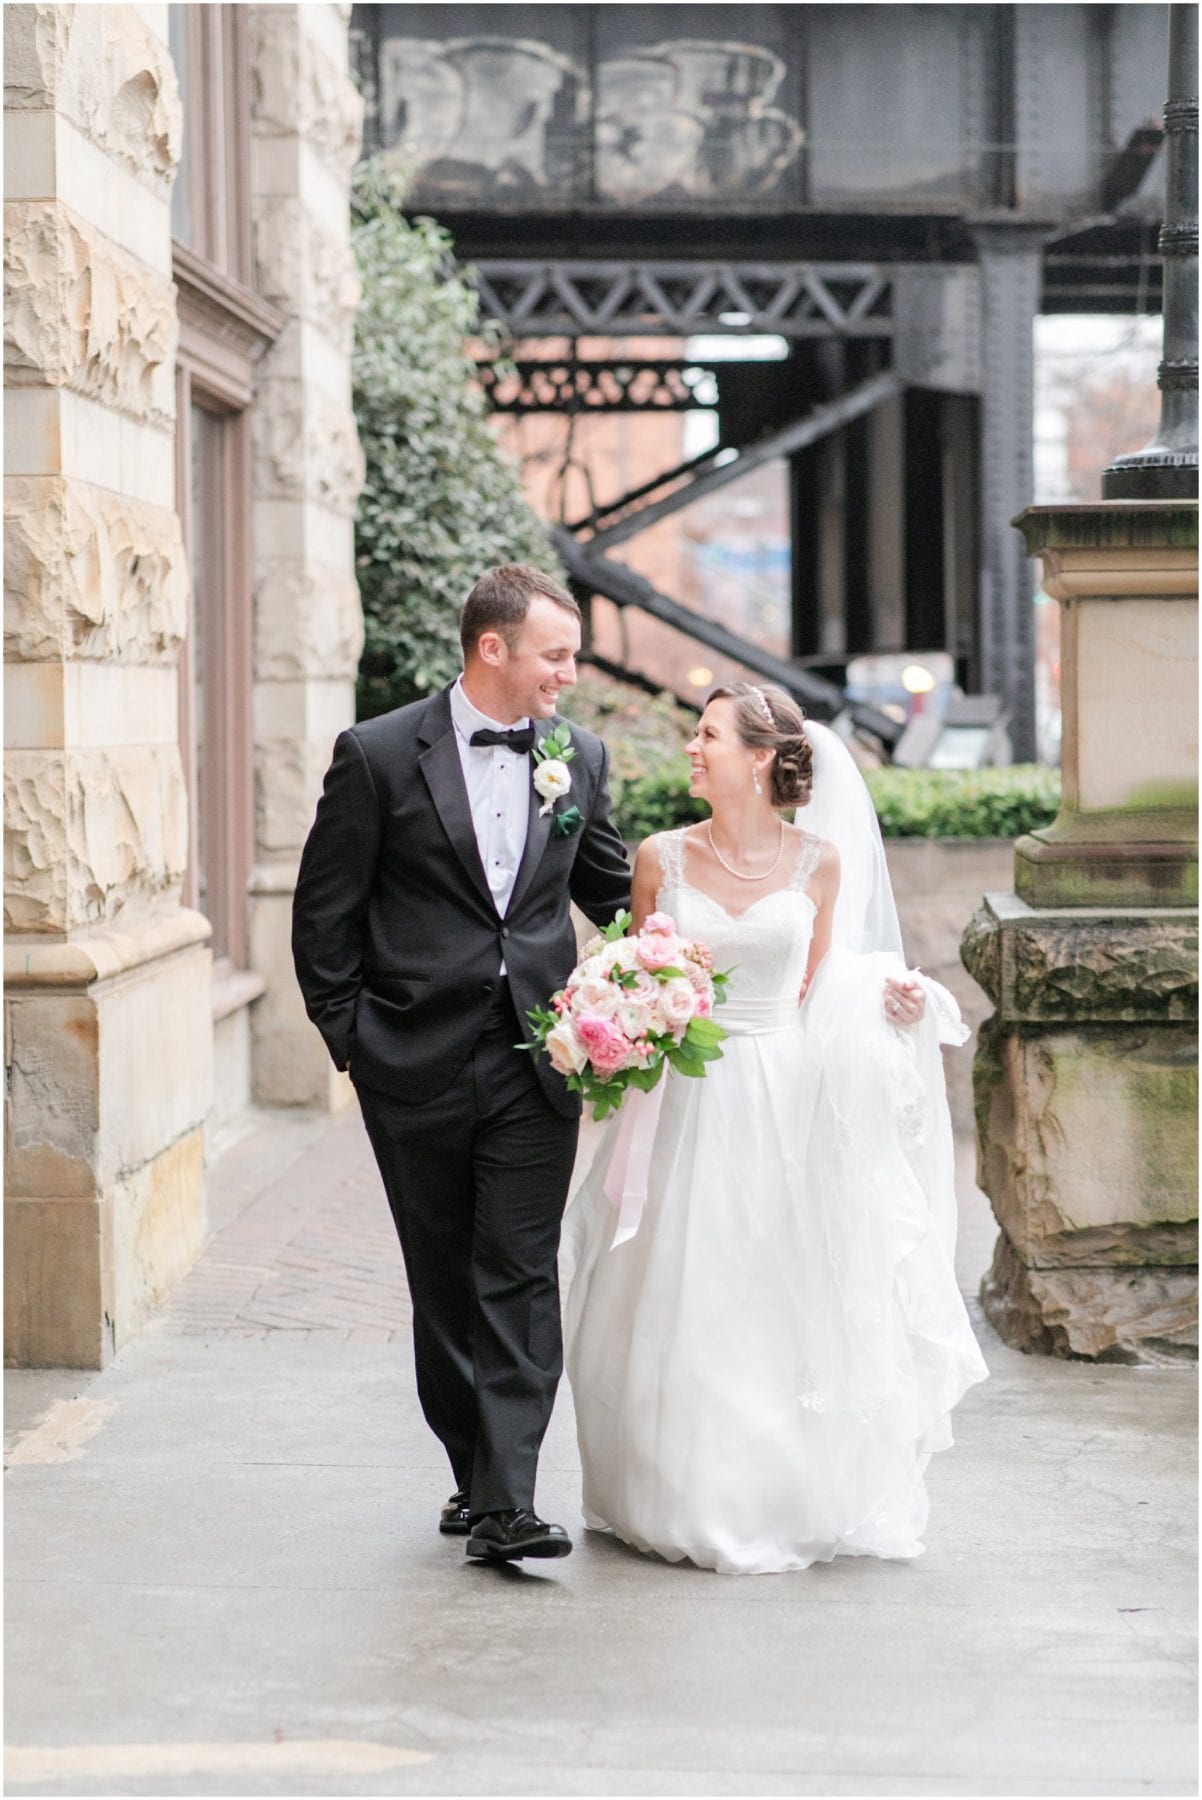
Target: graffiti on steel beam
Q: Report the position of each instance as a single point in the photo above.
(490, 118)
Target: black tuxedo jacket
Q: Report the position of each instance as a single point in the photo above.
(397, 942)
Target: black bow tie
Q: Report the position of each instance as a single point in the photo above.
(521, 742)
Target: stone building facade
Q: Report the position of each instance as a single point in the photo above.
(182, 623)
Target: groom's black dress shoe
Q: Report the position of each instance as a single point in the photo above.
(504, 1536)
(456, 1520)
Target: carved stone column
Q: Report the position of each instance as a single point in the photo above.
(1086, 1075)
(108, 1031)
(308, 469)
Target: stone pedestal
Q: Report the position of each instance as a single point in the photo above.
(1126, 576)
(1085, 1077)
(1086, 1096)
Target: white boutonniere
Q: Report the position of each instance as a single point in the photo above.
(553, 779)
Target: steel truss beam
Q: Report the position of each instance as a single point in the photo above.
(614, 581)
(583, 385)
(621, 585)
(817, 423)
(680, 299)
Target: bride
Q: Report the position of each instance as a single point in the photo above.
(766, 1342)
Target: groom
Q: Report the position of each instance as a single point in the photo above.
(431, 911)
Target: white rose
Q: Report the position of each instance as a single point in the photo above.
(551, 780)
(635, 1018)
(597, 996)
(568, 1055)
(624, 953)
(677, 1003)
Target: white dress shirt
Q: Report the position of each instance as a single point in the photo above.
(500, 786)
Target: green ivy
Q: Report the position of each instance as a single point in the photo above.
(440, 503)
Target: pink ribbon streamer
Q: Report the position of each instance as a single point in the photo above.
(626, 1180)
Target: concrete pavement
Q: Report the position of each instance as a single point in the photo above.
(224, 1577)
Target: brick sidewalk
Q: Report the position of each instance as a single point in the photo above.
(301, 1239)
(312, 1252)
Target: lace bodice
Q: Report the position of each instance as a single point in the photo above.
(767, 945)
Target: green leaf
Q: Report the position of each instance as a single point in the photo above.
(705, 1031)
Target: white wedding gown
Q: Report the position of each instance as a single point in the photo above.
(761, 1373)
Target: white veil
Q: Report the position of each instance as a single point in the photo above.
(840, 810)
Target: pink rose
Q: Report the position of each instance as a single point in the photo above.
(658, 952)
(660, 924)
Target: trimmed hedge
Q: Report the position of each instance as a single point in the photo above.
(924, 803)
(965, 803)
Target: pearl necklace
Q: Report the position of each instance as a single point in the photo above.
(709, 832)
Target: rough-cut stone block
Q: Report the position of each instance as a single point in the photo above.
(83, 314)
(308, 622)
(306, 447)
(1141, 1316)
(55, 1278)
(299, 90)
(306, 267)
(158, 1228)
(158, 1019)
(288, 780)
(1083, 964)
(89, 573)
(106, 71)
(91, 833)
(1085, 1141)
(52, 1120)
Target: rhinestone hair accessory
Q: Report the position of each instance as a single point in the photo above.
(763, 705)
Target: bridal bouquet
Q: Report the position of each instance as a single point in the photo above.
(632, 1007)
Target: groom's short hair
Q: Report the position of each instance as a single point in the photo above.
(501, 599)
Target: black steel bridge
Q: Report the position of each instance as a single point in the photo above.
(895, 190)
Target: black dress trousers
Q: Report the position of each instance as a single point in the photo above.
(477, 1178)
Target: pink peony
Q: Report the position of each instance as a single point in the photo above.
(595, 1031)
(657, 952)
(659, 924)
(705, 1005)
(608, 1058)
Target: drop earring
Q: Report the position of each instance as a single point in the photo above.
(755, 776)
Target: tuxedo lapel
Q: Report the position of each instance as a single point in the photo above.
(538, 829)
(443, 771)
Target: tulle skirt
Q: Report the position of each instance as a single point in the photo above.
(762, 1372)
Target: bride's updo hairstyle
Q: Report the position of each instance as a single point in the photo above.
(767, 719)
